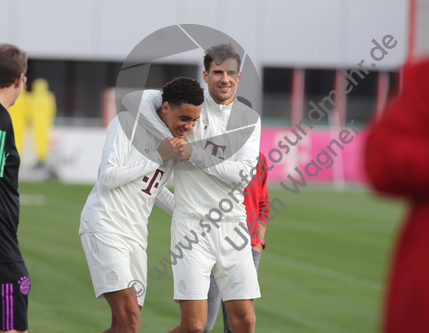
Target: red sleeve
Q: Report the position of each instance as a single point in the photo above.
(397, 148)
(264, 195)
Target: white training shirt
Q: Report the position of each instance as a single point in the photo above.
(201, 183)
(128, 183)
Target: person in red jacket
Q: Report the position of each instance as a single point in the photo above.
(397, 162)
(257, 209)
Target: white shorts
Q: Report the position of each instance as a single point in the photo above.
(233, 269)
(115, 263)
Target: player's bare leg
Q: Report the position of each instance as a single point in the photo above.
(193, 317)
(13, 331)
(125, 312)
(241, 315)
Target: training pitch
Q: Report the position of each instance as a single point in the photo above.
(323, 269)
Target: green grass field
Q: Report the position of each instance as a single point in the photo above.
(323, 269)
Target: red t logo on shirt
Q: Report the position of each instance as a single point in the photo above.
(152, 181)
(215, 148)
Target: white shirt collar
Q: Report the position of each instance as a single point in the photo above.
(213, 105)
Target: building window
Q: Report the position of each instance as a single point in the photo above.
(78, 85)
(277, 88)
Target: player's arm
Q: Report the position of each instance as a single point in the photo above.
(165, 201)
(229, 171)
(264, 201)
(6, 140)
(261, 235)
(114, 171)
(264, 210)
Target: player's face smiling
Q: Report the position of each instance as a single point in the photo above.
(222, 80)
(181, 119)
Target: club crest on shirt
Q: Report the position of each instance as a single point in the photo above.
(181, 286)
(24, 285)
(206, 123)
(147, 148)
(112, 277)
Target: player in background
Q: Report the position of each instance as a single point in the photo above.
(14, 279)
(257, 210)
(19, 113)
(42, 112)
(134, 169)
(397, 163)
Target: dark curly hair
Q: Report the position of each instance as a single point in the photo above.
(183, 90)
(219, 54)
(13, 63)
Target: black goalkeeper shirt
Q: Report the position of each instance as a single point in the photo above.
(9, 197)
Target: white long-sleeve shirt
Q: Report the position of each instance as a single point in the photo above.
(224, 143)
(131, 178)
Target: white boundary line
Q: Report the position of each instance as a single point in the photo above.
(320, 270)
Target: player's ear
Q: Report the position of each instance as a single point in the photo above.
(238, 77)
(165, 107)
(18, 81)
(206, 76)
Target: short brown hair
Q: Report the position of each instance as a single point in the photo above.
(13, 62)
(219, 54)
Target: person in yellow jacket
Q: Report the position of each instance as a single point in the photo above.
(43, 110)
(20, 114)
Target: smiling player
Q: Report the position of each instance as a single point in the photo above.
(216, 159)
(218, 153)
(132, 176)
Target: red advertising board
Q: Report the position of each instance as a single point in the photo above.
(311, 155)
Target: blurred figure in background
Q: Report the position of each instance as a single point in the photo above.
(397, 162)
(20, 114)
(35, 110)
(43, 110)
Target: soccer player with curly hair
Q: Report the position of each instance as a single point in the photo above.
(134, 169)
